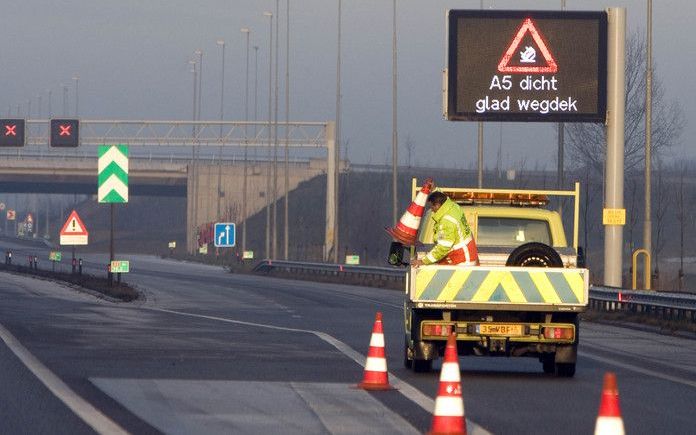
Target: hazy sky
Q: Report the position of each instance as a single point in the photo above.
(132, 61)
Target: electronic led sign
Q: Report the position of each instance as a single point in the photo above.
(526, 66)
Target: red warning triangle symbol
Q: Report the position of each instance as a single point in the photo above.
(74, 226)
(528, 55)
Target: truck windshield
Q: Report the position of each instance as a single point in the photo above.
(494, 231)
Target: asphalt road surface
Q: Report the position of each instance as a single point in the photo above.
(207, 351)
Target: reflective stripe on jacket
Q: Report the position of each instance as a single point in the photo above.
(454, 243)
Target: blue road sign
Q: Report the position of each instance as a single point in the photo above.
(224, 235)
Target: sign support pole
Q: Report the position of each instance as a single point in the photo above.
(614, 178)
(111, 243)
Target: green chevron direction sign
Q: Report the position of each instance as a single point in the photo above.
(113, 174)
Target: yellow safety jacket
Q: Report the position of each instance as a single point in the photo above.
(454, 243)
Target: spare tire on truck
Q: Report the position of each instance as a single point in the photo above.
(534, 254)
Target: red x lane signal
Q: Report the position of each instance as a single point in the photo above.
(12, 133)
(65, 132)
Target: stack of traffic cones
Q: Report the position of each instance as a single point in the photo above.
(609, 421)
(407, 228)
(376, 377)
(448, 417)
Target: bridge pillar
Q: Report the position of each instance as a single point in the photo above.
(202, 195)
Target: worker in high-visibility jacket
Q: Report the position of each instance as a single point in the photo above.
(454, 242)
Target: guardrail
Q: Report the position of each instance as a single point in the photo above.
(352, 274)
(668, 306)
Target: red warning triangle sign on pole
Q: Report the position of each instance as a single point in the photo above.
(74, 231)
(528, 55)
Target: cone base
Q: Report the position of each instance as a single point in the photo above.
(401, 237)
(374, 387)
(446, 433)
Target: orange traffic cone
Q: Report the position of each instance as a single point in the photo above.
(376, 377)
(609, 421)
(448, 417)
(407, 228)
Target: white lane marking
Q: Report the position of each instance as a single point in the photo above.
(637, 369)
(83, 409)
(404, 388)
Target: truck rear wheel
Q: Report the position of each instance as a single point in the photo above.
(548, 363)
(422, 365)
(565, 370)
(408, 363)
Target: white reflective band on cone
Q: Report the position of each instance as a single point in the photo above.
(421, 199)
(449, 407)
(450, 372)
(376, 364)
(609, 426)
(410, 220)
(377, 340)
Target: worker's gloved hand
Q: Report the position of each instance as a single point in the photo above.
(416, 263)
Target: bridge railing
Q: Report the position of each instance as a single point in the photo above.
(668, 306)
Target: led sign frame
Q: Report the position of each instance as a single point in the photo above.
(540, 66)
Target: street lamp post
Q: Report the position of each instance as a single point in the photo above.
(286, 229)
(77, 95)
(480, 143)
(221, 43)
(50, 112)
(200, 82)
(647, 223)
(270, 120)
(337, 158)
(194, 199)
(246, 31)
(395, 140)
(275, 140)
(65, 100)
(38, 97)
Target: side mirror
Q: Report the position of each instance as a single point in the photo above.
(396, 254)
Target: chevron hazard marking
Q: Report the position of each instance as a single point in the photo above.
(113, 155)
(499, 285)
(112, 174)
(113, 184)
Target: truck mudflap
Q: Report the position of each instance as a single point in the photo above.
(504, 287)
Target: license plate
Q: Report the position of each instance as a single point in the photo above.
(498, 329)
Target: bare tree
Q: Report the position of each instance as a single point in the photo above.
(587, 142)
(682, 223)
(633, 211)
(662, 205)
(410, 145)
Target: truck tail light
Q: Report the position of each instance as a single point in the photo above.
(437, 329)
(559, 332)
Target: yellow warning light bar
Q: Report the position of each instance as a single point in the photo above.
(498, 198)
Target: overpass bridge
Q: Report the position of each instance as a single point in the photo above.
(207, 162)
